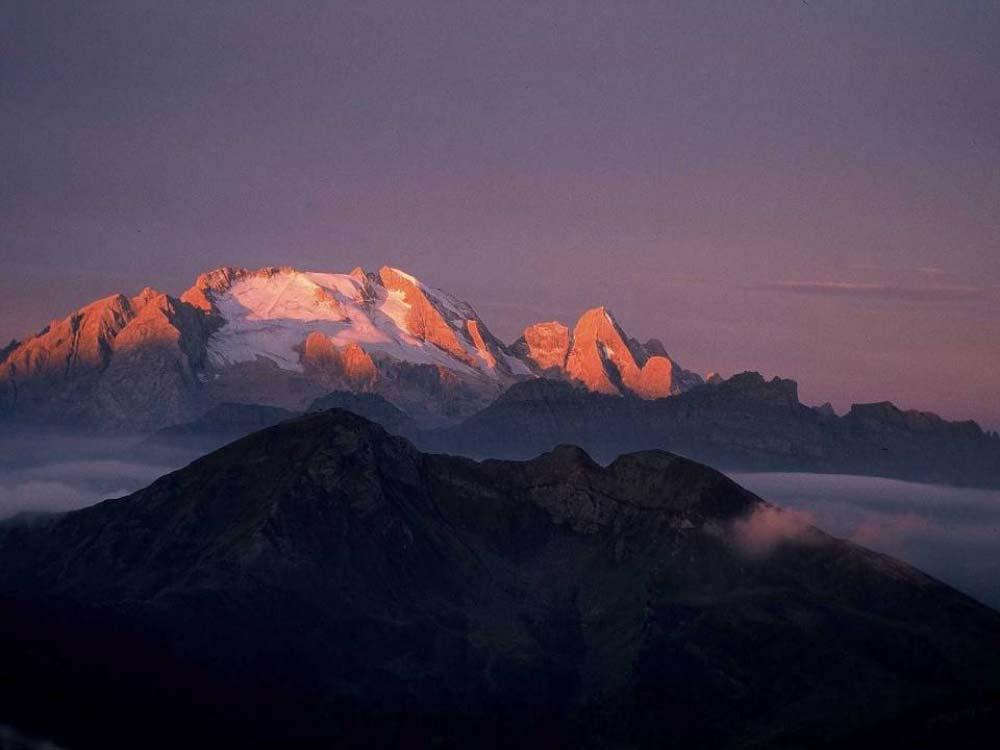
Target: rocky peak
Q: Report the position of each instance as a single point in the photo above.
(80, 341)
(602, 357)
(825, 409)
(885, 415)
(147, 295)
(221, 279)
(753, 386)
(424, 320)
(605, 360)
(597, 342)
(545, 346)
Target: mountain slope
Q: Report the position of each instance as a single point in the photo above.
(321, 580)
(121, 361)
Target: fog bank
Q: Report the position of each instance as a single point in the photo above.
(949, 532)
(42, 473)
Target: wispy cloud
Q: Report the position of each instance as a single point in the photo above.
(951, 533)
(32, 482)
(875, 290)
(769, 526)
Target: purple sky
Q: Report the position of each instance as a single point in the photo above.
(806, 189)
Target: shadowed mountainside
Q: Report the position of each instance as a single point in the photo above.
(323, 581)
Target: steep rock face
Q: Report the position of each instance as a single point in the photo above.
(152, 378)
(450, 324)
(423, 319)
(348, 366)
(545, 346)
(129, 363)
(321, 581)
(600, 356)
(83, 341)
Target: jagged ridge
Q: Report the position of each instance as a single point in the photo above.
(283, 337)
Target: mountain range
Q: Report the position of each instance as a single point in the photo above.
(283, 337)
(744, 423)
(324, 582)
(241, 350)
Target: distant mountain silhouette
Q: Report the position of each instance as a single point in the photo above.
(744, 423)
(371, 406)
(322, 582)
(219, 425)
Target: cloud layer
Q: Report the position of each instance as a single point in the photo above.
(948, 532)
(59, 474)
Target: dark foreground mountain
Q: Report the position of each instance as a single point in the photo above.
(744, 423)
(322, 583)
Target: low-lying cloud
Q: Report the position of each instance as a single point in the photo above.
(769, 526)
(949, 532)
(46, 475)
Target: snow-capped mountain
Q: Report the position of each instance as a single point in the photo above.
(284, 337)
(294, 319)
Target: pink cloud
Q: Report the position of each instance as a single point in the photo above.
(768, 526)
